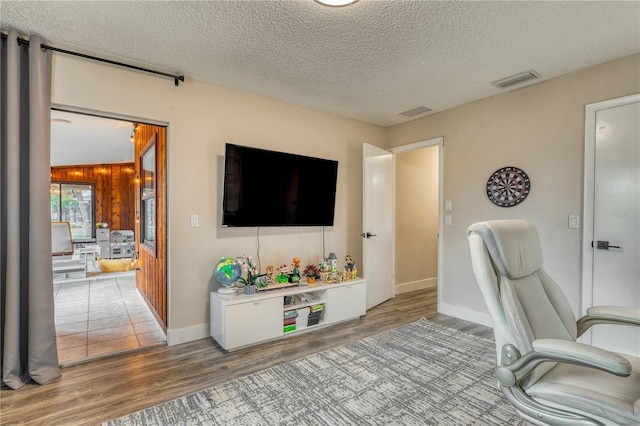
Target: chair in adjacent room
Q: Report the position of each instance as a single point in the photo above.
(65, 264)
(544, 373)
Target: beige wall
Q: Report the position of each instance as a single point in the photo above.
(540, 129)
(201, 118)
(416, 219)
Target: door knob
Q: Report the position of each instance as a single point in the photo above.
(604, 245)
(367, 235)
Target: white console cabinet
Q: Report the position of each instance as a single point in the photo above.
(240, 320)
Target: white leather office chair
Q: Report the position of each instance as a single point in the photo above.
(544, 373)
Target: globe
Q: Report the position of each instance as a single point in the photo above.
(227, 271)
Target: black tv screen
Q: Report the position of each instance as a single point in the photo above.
(269, 188)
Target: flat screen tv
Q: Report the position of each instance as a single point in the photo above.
(269, 188)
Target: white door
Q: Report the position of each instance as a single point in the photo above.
(616, 222)
(377, 232)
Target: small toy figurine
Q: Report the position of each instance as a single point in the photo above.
(333, 262)
(348, 259)
(350, 267)
(272, 271)
(312, 273)
(282, 278)
(354, 272)
(295, 270)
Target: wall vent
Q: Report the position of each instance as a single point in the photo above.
(415, 111)
(515, 79)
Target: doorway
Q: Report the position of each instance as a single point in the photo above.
(380, 185)
(98, 311)
(611, 236)
(417, 218)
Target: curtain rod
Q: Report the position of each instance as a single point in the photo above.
(176, 78)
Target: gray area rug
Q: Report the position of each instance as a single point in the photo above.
(418, 374)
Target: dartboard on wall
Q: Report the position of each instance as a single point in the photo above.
(508, 186)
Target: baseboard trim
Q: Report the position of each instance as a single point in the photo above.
(465, 314)
(187, 334)
(201, 331)
(416, 285)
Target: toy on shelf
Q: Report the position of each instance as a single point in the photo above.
(333, 262)
(295, 271)
(229, 270)
(350, 270)
(333, 276)
(283, 276)
(312, 272)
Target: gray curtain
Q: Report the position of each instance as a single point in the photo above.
(28, 338)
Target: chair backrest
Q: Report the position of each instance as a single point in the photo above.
(524, 302)
(61, 241)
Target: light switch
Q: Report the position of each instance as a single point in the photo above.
(447, 205)
(574, 221)
(195, 221)
(447, 220)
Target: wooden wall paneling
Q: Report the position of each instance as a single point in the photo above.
(151, 278)
(127, 201)
(107, 192)
(115, 197)
(102, 203)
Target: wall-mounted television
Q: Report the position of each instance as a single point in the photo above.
(270, 188)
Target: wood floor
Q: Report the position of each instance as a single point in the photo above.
(90, 393)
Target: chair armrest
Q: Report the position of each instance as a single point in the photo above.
(516, 368)
(608, 315)
(581, 354)
(558, 350)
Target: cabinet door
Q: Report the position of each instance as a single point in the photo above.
(253, 322)
(345, 303)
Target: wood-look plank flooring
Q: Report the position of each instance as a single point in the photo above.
(90, 393)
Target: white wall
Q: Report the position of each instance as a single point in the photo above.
(201, 119)
(540, 129)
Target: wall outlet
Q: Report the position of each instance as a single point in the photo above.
(447, 205)
(195, 221)
(447, 220)
(574, 221)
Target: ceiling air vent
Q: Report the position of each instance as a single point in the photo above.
(415, 111)
(515, 79)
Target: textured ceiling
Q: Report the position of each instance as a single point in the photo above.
(368, 61)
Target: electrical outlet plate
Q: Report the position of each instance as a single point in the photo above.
(574, 221)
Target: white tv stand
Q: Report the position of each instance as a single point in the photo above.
(240, 320)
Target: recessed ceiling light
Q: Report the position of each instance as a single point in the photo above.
(335, 3)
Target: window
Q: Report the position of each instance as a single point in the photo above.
(74, 203)
(148, 195)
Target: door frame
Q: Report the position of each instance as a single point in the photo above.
(589, 194)
(439, 142)
(134, 119)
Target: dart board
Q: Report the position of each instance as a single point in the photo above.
(508, 186)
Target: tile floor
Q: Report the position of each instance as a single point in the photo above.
(101, 316)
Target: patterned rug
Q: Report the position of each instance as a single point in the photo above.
(418, 374)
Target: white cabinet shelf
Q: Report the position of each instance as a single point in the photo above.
(304, 304)
(240, 320)
(302, 330)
